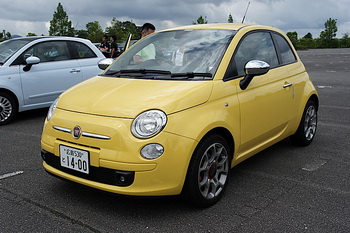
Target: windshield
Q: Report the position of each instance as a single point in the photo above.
(181, 54)
(9, 47)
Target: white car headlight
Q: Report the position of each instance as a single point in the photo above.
(52, 109)
(148, 123)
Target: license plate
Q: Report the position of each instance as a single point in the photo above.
(74, 159)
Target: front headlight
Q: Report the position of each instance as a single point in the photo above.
(148, 123)
(52, 109)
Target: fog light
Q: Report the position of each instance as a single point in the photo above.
(152, 151)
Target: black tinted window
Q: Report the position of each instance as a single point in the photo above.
(82, 51)
(255, 46)
(285, 50)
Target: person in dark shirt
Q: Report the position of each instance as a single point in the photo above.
(114, 47)
(105, 47)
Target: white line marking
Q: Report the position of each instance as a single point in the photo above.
(314, 165)
(321, 87)
(10, 174)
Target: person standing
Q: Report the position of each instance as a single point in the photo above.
(114, 47)
(105, 47)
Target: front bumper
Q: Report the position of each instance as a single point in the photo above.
(116, 165)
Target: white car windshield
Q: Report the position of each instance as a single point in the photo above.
(9, 47)
(181, 54)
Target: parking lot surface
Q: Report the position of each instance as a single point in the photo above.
(282, 189)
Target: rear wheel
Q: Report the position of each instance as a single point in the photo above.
(208, 172)
(307, 127)
(8, 108)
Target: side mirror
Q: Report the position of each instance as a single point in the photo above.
(30, 61)
(104, 63)
(253, 68)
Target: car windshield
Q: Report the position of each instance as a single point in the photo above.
(180, 54)
(9, 47)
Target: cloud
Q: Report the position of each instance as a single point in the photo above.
(297, 15)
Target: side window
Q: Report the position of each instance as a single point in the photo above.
(82, 51)
(49, 51)
(285, 50)
(255, 46)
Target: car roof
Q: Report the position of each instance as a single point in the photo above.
(227, 26)
(34, 38)
(224, 26)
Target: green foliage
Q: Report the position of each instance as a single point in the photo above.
(293, 36)
(60, 25)
(230, 19)
(345, 41)
(81, 33)
(327, 36)
(201, 20)
(94, 31)
(123, 29)
(330, 29)
(308, 36)
(31, 34)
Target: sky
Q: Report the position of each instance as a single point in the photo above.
(20, 17)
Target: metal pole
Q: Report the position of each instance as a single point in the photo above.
(245, 12)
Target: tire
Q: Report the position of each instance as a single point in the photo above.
(208, 172)
(307, 127)
(8, 108)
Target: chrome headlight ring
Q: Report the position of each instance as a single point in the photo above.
(148, 124)
(52, 109)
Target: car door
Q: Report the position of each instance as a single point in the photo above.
(86, 57)
(55, 73)
(265, 104)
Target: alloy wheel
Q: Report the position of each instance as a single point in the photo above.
(213, 171)
(310, 122)
(5, 109)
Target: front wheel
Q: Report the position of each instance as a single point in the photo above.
(208, 172)
(307, 127)
(8, 108)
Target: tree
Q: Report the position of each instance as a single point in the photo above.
(345, 41)
(81, 33)
(327, 36)
(123, 29)
(230, 19)
(60, 25)
(94, 31)
(308, 36)
(31, 34)
(330, 29)
(201, 20)
(293, 36)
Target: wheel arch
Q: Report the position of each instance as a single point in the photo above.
(13, 95)
(226, 134)
(314, 98)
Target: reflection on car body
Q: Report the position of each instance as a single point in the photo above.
(214, 95)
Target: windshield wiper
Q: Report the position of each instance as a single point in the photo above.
(191, 75)
(139, 71)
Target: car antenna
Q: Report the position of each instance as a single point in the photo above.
(245, 12)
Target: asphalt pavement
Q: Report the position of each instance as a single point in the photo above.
(282, 189)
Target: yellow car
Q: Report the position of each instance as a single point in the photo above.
(205, 98)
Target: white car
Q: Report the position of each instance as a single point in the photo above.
(34, 71)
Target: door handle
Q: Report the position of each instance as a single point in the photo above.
(287, 85)
(75, 71)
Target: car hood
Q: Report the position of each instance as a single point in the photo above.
(123, 97)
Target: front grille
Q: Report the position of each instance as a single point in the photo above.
(97, 174)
